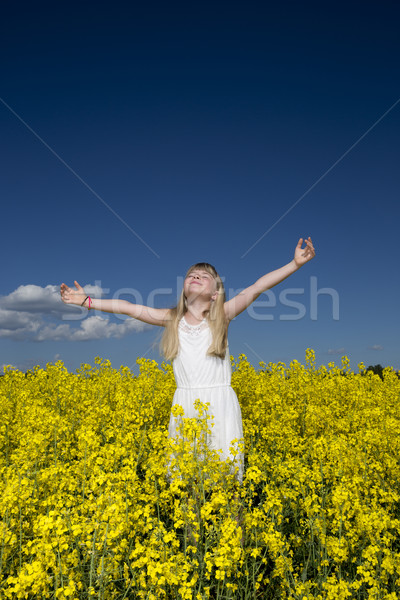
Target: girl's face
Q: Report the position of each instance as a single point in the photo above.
(200, 283)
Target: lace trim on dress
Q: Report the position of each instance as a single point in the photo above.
(192, 330)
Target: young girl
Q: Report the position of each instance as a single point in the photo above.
(195, 339)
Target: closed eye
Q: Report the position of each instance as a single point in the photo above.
(202, 275)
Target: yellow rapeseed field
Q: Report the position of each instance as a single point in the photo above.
(96, 502)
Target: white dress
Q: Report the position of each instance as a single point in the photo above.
(207, 378)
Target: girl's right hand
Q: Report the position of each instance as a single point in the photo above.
(71, 296)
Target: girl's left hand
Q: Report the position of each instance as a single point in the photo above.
(303, 255)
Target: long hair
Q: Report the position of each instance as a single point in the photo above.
(215, 317)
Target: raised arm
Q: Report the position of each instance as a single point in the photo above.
(153, 316)
(240, 302)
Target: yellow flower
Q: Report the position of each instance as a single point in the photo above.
(95, 501)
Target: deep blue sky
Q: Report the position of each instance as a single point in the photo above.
(196, 126)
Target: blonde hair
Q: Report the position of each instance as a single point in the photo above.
(216, 319)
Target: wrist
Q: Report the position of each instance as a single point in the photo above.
(294, 265)
(87, 302)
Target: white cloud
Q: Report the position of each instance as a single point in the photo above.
(33, 298)
(13, 320)
(375, 347)
(340, 351)
(97, 327)
(44, 300)
(92, 328)
(33, 313)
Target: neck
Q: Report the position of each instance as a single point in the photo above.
(197, 310)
